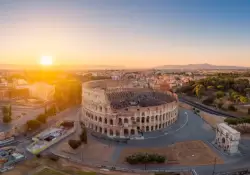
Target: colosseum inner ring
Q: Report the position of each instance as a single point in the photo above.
(117, 109)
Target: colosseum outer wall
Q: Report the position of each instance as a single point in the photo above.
(98, 116)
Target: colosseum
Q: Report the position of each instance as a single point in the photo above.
(119, 109)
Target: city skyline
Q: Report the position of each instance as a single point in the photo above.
(125, 33)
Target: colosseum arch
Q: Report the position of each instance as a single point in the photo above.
(147, 128)
(120, 121)
(111, 121)
(125, 120)
(126, 132)
(138, 119)
(105, 121)
(132, 132)
(143, 119)
(100, 119)
(117, 133)
(148, 119)
(111, 132)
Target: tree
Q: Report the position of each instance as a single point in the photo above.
(84, 136)
(74, 143)
(220, 104)
(6, 119)
(42, 118)
(199, 89)
(232, 108)
(33, 124)
(243, 99)
(7, 112)
(210, 87)
(220, 94)
(231, 121)
(220, 87)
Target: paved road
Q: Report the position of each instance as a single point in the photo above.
(205, 108)
(193, 129)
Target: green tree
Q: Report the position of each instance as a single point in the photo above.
(220, 94)
(199, 89)
(84, 136)
(74, 143)
(42, 118)
(220, 87)
(6, 119)
(243, 99)
(7, 112)
(33, 124)
(210, 87)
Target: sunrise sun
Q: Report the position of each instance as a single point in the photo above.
(46, 60)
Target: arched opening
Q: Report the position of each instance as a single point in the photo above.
(143, 120)
(96, 128)
(138, 119)
(100, 130)
(152, 118)
(147, 128)
(111, 122)
(160, 126)
(223, 140)
(120, 121)
(105, 121)
(160, 118)
(125, 132)
(156, 127)
(117, 133)
(105, 131)
(132, 132)
(138, 128)
(100, 119)
(147, 119)
(111, 132)
(156, 117)
(125, 120)
(95, 118)
(100, 108)
(152, 128)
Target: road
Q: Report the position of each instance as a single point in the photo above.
(205, 108)
(186, 129)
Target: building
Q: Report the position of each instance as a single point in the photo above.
(227, 138)
(116, 109)
(42, 91)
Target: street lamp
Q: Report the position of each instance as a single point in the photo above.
(214, 165)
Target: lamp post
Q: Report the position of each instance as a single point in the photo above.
(214, 165)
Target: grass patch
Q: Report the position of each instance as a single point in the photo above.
(48, 171)
(85, 173)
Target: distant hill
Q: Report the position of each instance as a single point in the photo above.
(200, 66)
(57, 67)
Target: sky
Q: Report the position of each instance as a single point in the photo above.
(131, 33)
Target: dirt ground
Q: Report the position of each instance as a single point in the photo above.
(182, 153)
(92, 151)
(212, 120)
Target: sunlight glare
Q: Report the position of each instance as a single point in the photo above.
(46, 60)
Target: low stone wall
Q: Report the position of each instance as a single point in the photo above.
(37, 151)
